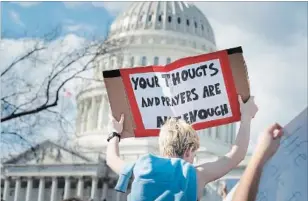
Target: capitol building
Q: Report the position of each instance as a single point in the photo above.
(147, 33)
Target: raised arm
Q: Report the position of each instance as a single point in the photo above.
(113, 154)
(268, 144)
(211, 171)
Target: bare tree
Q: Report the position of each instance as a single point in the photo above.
(34, 84)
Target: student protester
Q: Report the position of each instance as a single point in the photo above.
(267, 146)
(172, 176)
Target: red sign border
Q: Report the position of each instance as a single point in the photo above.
(140, 131)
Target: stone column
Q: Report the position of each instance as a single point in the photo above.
(94, 113)
(101, 113)
(82, 116)
(219, 133)
(230, 133)
(94, 188)
(226, 133)
(133, 62)
(125, 61)
(165, 16)
(208, 132)
(6, 189)
(78, 118)
(17, 189)
(108, 111)
(105, 112)
(67, 188)
(80, 187)
(54, 187)
(41, 189)
(29, 189)
(85, 115)
(118, 196)
(104, 190)
(89, 115)
(214, 132)
(222, 133)
(233, 130)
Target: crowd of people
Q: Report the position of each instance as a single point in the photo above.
(172, 175)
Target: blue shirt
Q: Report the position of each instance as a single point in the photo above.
(159, 179)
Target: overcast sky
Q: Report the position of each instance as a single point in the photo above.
(273, 36)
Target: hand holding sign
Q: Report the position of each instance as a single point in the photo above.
(248, 109)
(268, 142)
(117, 126)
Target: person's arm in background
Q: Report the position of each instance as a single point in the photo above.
(113, 154)
(211, 171)
(268, 144)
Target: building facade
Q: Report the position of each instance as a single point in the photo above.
(147, 33)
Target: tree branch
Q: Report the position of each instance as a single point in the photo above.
(61, 117)
(90, 79)
(16, 94)
(17, 135)
(46, 105)
(36, 49)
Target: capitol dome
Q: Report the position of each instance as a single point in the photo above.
(147, 33)
(181, 18)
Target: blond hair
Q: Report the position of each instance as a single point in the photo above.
(175, 137)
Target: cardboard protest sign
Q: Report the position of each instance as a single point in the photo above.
(284, 177)
(202, 90)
